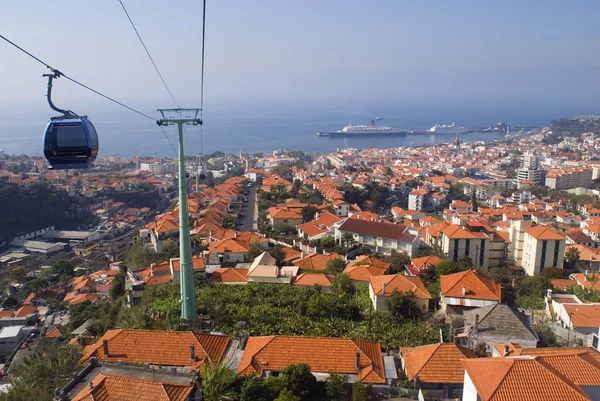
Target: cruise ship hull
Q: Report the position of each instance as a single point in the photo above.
(354, 134)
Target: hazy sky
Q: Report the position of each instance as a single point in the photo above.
(305, 50)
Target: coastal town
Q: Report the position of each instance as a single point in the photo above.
(461, 271)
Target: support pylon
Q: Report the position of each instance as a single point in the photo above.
(186, 270)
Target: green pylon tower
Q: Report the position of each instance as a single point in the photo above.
(186, 272)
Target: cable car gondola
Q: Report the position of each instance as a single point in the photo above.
(70, 141)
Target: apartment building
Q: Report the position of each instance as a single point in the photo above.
(381, 237)
(458, 241)
(542, 247)
(567, 179)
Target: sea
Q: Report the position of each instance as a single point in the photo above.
(265, 127)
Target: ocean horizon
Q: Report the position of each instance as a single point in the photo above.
(265, 128)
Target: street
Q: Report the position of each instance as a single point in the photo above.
(248, 210)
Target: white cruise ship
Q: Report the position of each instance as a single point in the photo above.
(367, 130)
(448, 129)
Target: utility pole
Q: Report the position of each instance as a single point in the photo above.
(186, 272)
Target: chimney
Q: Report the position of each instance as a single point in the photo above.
(90, 385)
(358, 361)
(193, 353)
(105, 348)
(506, 350)
(383, 288)
(463, 291)
(424, 265)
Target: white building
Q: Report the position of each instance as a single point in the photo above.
(542, 247)
(417, 198)
(381, 237)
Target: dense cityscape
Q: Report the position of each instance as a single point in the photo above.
(363, 273)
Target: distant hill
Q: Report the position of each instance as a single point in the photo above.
(28, 208)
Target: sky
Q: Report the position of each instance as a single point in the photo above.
(304, 51)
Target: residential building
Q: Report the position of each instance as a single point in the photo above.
(366, 266)
(419, 264)
(381, 237)
(457, 241)
(359, 360)
(495, 324)
(10, 338)
(542, 247)
(280, 217)
(436, 368)
(567, 179)
(181, 349)
(467, 290)
(381, 287)
(315, 261)
(417, 199)
(564, 374)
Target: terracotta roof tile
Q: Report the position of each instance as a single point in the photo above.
(118, 388)
(275, 353)
(230, 275)
(377, 229)
(527, 378)
(544, 233)
(401, 283)
(315, 261)
(436, 363)
(158, 347)
(476, 285)
(310, 279)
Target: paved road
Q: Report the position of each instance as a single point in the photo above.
(248, 210)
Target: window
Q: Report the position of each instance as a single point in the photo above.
(467, 247)
(70, 136)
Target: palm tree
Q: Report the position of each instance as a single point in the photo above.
(571, 257)
(218, 382)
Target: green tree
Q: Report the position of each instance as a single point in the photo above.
(545, 334)
(17, 274)
(336, 265)
(170, 249)
(347, 239)
(328, 243)
(229, 222)
(309, 212)
(299, 380)
(464, 263)
(342, 285)
(359, 391)
(551, 272)
(253, 389)
(445, 267)
(278, 253)
(335, 385)
(571, 257)
(10, 302)
(139, 256)
(474, 203)
(117, 286)
(296, 185)
(218, 382)
(398, 261)
(254, 250)
(46, 370)
(402, 305)
(63, 268)
(286, 395)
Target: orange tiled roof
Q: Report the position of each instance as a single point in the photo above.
(197, 263)
(275, 353)
(81, 298)
(584, 315)
(291, 254)
(476, 285)
(533, 378)
(401, 283)
(436, 363)
(426, 260)
(315, 261)
(370, 260)
(544, 233)
(310, 279)
(25, 310)
(364, 272)
(158, 347)
(54, 333)
(115, 388)
(230, 275)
